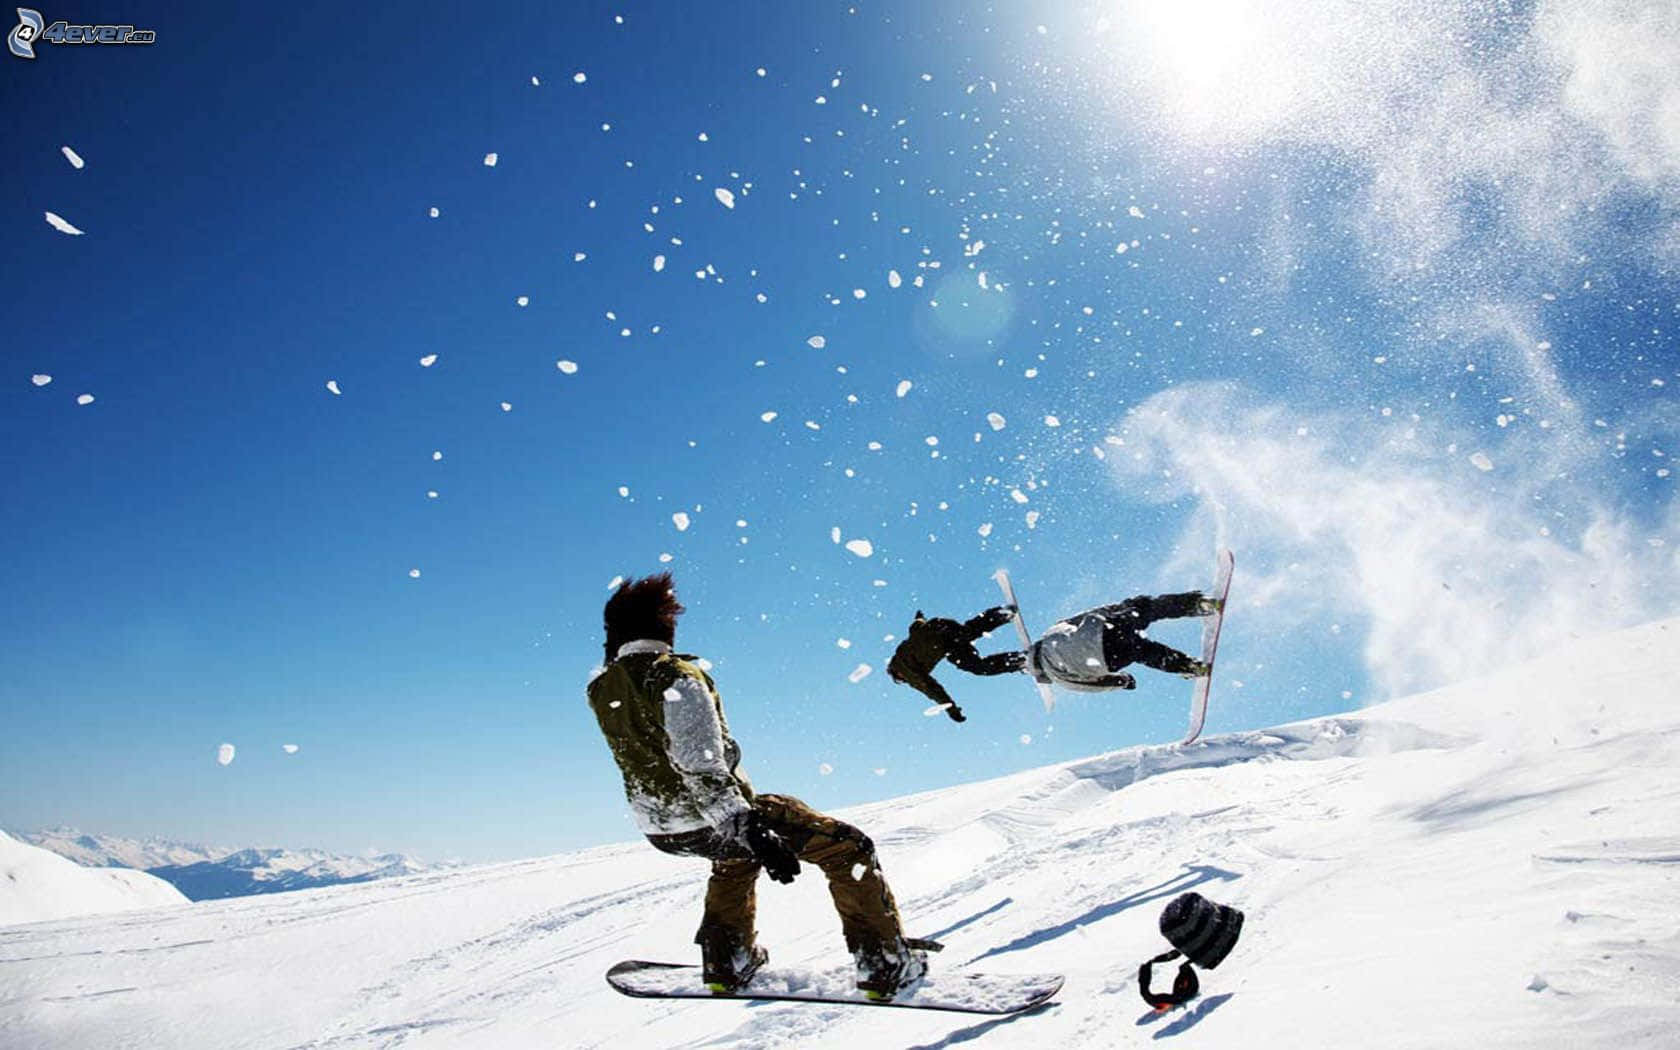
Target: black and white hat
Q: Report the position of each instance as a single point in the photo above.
(1204, 931)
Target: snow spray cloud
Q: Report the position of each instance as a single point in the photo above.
(1459, 553)
(1464, 122)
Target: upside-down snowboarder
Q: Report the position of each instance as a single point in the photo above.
(1085, 652)
(664, 721)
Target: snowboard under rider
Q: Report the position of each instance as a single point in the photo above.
(663, 718)
(1085, 652)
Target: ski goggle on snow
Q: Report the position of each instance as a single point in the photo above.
(1185, 987)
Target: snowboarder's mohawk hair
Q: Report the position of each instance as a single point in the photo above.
(644, 608)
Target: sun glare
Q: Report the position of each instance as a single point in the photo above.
(1216, 68)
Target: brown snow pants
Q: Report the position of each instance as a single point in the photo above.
(868, 914)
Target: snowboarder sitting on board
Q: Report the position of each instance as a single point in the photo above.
(664, 721)
(1084, 652)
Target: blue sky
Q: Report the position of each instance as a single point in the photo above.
(1394, 318)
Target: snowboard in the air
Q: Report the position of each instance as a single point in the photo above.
(974, 993)
(1044, 693)
(1210, 645)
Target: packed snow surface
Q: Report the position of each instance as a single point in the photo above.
(1494, 864)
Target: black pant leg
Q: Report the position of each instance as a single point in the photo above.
(966, 658)
(1143, 610)
(1151, 653)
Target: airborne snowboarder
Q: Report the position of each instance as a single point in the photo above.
(1085, 652)
(663, 718)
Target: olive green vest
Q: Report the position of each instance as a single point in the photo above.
(630, 702)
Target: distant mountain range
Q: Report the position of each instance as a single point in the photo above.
(210, 872)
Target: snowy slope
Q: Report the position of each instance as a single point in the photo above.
(1495, 864)
(36, 885)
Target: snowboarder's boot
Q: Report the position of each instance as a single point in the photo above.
(727, 965)
(1206, 606)
(885, 970)
(1195, 669)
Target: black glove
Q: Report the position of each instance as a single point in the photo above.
(1125, 681)
(767, 847)
(956, 713)
(997, 616)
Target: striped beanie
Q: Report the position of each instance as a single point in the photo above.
(1204, 931)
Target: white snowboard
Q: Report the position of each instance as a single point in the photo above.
(1002, 577)
(956, 990)
(1210, 645)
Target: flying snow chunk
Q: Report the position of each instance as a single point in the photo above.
(71, 156)
(724, 197)
(665, 557)
(767, 416)
(1026, 738)
(535, 82)
(834, 534)
(816, 342)
(84, 399)
(1032, 519)
(658, 263)
(1017, 495)
(568, 367)
(680, 520)
(428, 361)
(904, 386)
(490, 160)
(1481, 460)
(859, 673)
(434, 213)
(579, 77)
(859, 293)
(844, 643)
(1052, 421)
(332, 385)
(760, 71)
(61, 226)
(436, 455)
(1257, 331)
(290, 749)
(614, 585)
(40, 379)
(414, 574)
(893, 279)
(985, 529)
(507, 406)
(995, 420)
(861, 548)
(523, 300)
(1135, 212)
(224, 754)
